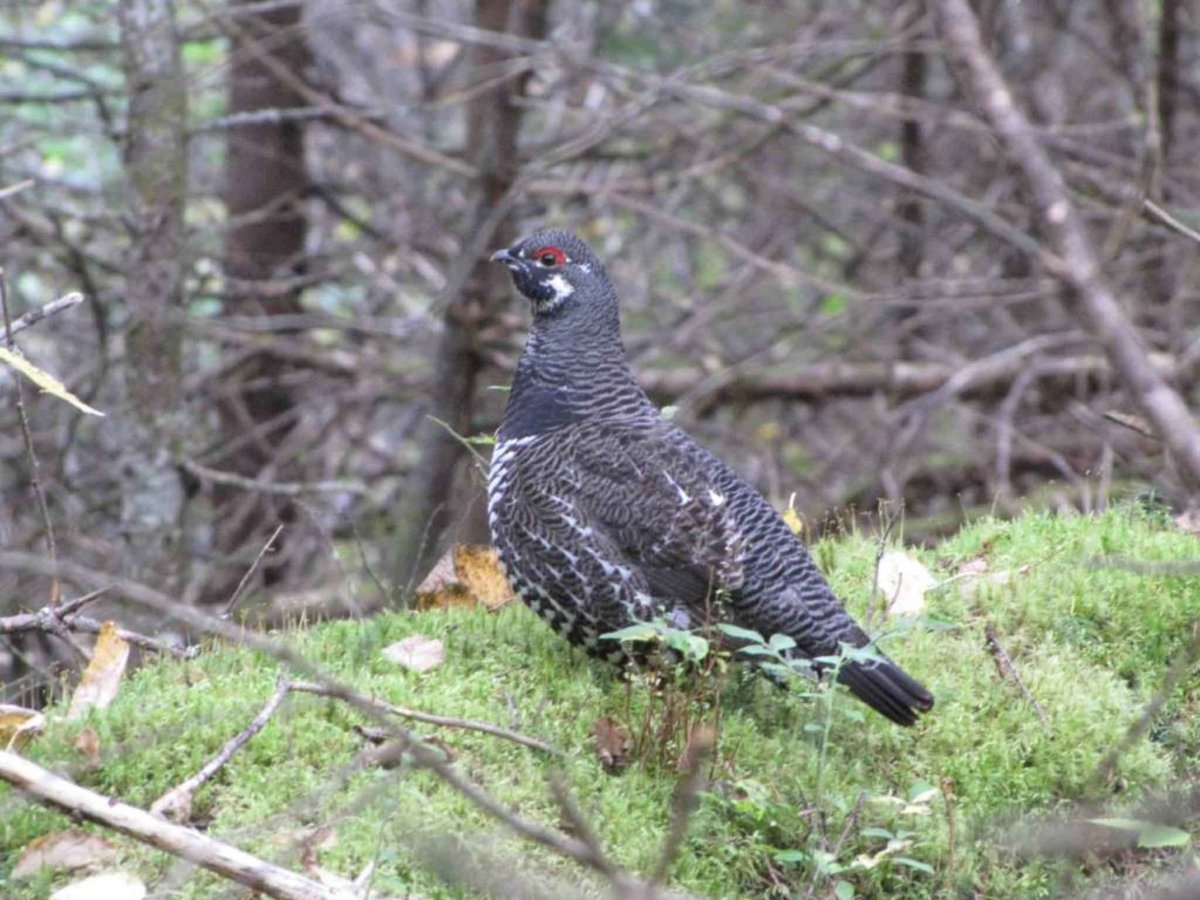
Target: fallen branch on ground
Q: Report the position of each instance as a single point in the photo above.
(308, 687)
(227, 861)
(1008, 670)
(176, 803)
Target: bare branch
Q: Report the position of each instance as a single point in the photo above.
(36, 315)
(1078, 267)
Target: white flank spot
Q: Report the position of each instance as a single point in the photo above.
(716, 498)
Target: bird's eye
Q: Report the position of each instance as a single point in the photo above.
(549, 257)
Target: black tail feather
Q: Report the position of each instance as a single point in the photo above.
(887, 689)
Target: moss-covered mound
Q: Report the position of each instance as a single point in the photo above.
(809, 794)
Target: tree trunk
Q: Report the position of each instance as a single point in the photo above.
(493, 121)
(266, 187)
(152, 423)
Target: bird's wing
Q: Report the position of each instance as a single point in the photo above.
(646, 487)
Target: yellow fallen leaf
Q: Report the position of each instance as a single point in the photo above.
(19, 725)
(791, 518)
(467, 575)
(44, 380)
(102, 678)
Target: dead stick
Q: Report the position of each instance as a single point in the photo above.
(180, 796)
(1008, 669)
(227, 861)
(36, 315)
(241, 585)
(309, 687)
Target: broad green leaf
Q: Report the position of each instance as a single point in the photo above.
(1150, 835)
(639, 632)
(781, 642)
(741, 634)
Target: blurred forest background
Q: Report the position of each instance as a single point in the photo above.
(278, 214)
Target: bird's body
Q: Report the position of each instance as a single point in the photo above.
(604, 514)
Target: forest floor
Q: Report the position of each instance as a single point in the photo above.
(809, 793)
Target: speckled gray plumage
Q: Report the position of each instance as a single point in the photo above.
(604, 514)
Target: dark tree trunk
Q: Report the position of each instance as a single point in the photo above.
(493, 121)
(266, 187)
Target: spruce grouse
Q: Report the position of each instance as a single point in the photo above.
(605, 514)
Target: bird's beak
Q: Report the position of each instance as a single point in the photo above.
(503, 256)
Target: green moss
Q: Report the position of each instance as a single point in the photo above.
(1091, 643)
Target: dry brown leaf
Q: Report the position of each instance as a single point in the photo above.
(106, 886)
(19, 725)
(468, 574)
(416, 652)
(612, 745)
(102, 678)
(88, 743)
(972, 568)
(903, 581)
(314, 840)
(1189, 521)
(63, 850)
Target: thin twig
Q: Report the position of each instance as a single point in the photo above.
(12, 189)
(241, 585)
(34, 316)
(1008, 669)
(284, 488)
(88, 625)
(178, 800)
(31, 455)
(309, 687)
(700, 746)
(1180, 666)
(578, 823)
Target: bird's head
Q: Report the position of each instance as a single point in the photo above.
(553, 269)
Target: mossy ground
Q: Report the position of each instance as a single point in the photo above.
(788, 806)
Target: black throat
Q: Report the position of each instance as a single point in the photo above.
(573, 368)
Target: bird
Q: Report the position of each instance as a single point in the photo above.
(605, 514)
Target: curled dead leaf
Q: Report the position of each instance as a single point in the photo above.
(88, 744)
(468, 574)
(613, 745)
(18, 725)
(1189, 521)
(63, 851)
(102, 678)
(972, 568)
